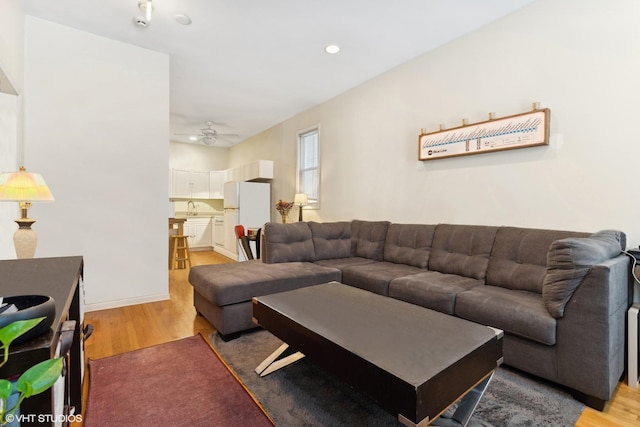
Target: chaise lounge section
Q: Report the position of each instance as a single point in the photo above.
(559, 296)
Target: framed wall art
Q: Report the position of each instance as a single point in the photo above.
(507, 133)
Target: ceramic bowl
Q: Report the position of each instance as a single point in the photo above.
(30, 307)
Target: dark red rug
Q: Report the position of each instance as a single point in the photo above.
(179, 383)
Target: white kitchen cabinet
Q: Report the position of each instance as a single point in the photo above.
(258, 170)
(261, 169)
(216, 184)
(190, 184)
(199, 233)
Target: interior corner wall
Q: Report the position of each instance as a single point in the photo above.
(11, 65)
(577, 58)
(8, 147)
(12, 42)
(97, 128)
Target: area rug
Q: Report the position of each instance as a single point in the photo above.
(179, 383)
(304, 394)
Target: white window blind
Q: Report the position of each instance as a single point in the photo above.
(309, 166)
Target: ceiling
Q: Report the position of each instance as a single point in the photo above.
(250, 64)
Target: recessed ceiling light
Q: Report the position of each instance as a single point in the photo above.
(183, 19)
(332, 48)
(193, 138)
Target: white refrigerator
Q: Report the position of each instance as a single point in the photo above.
(247, 204)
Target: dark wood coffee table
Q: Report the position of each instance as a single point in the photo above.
(414, 362)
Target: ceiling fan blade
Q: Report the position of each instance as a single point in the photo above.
(225, 141)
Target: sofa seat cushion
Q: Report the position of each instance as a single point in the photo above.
(519, 257)
(287, 243)
(432, 289)
(331, 239)
(409, 244)
(342, 263)
(462, 249)
(225, 284)
(519, 313)
(367, 239)
(375, 277)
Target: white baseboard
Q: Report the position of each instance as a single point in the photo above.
(228, 254)
(125, 302)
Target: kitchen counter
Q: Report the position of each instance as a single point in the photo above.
(183, 215)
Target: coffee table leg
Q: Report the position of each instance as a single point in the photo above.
(466, 407)
(275, 362)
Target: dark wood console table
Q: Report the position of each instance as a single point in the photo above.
(61, 279)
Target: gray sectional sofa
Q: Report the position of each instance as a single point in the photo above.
(559, 296)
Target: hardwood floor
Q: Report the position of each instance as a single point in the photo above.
(129, 328)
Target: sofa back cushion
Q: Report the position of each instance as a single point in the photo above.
(287, 243)
(570, 260)
(367, 238)
(462, 249)
(331, 239)
(409, 244)
(519, 257)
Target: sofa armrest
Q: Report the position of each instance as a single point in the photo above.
(591, 335)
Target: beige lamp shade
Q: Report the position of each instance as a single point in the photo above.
(24, 187)
(300, 199)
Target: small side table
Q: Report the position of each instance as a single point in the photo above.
(633, 332)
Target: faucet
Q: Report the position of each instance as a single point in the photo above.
(190, 205)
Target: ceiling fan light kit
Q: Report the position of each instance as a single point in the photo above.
(209, 136)
(146, 7)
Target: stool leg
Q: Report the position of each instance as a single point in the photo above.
(187, 257)
(174, 253)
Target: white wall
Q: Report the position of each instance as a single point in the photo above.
(12, 42)
(11, 66)
(8, 148)
(578, 58)
(197, 157)
(97, 129)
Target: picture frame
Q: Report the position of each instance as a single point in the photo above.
(523, 130)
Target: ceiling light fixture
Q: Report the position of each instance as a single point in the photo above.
(193, 138)
(146, 7)
(183, 19)
(332, 48)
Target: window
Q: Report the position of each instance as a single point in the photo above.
(309, 166)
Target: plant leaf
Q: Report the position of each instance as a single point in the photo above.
(15, 329)
(5, 389)
(40, 377)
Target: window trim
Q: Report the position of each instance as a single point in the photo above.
(300, 133)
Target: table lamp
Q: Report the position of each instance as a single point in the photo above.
(300, 199)
(24, 187)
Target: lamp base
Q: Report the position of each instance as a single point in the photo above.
(25, 239)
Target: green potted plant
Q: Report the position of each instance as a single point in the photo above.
(35, 380)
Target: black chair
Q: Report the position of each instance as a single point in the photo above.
(244, 242)
(258, 237)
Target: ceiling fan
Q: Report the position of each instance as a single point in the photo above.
(210, 136)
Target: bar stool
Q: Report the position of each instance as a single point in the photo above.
(180, 252)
